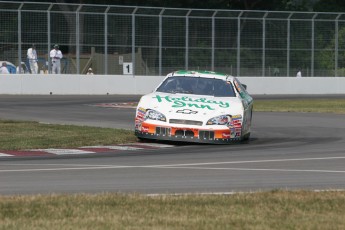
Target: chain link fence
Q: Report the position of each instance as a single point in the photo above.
(156, 41)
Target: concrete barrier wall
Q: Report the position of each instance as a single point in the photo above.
(41, 84)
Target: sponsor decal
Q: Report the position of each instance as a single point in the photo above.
(141, 109)
(239, 116)
(138, 126)
(199, 103)
(144, 129)
(186, 111)
(236, 121)
(226, 135)
(139, 118)
(236, 126)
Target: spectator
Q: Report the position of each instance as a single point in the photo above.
(276, 71)
(56, 55)
(20, 70)
(89, 71)
(299, 73)
(23, 68)
(32, 57)
(3, 68)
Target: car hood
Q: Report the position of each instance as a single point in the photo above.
(190, 106)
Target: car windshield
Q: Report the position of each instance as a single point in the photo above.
(197, 85)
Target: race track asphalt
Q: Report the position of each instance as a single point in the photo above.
(286, 151)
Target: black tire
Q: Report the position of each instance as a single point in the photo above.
(245, 137)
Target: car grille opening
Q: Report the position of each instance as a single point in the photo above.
(184, 133)
(185, 122)
(206, 134)
(163, 131)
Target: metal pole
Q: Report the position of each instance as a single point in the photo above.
(336, 46)
(187, 41)
(288, 46)
(264, 44)
(133, 39)
(213, 39)
(312, 45)
(160, 42)
(106, 40)
(77, 43)
(20, 37)
(49, 38)
(239, 43)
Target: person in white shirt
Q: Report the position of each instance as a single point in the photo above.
(21, 69)
(56, 55)
(89, 71)
(32, 57)
(299, 73)
(3, 68)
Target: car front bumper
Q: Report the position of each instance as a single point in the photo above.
(187, 134)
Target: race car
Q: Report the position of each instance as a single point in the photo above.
(196, 106)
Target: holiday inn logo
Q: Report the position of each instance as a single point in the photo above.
(200, 103)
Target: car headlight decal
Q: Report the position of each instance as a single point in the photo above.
(154, 115)
(219, 120)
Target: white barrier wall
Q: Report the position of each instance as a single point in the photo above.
(42, 84)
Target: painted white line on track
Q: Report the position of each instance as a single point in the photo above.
(193, 166)
(254, 161)
(112, 147)
(154, 145)
(5, 155)
(67, 165)
(65, 169)
(63, 151)
(170, 167)
(256, 169)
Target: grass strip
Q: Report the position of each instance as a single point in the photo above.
(262, 210)
(301, 105)
(19, 135)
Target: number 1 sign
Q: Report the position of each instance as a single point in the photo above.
(127, 68)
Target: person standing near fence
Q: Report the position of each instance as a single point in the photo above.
(299, 73)
(56, 55)
(32, 57)
(89, 71)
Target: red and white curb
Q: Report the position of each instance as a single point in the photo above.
(83, 150)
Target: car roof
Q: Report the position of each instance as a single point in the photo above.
(203, 73)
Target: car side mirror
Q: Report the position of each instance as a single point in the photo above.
(244, 86)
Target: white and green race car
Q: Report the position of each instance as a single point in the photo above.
(196, 106)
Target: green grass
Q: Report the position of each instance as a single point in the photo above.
(301, 105)
(262, 210)
(16, 135)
